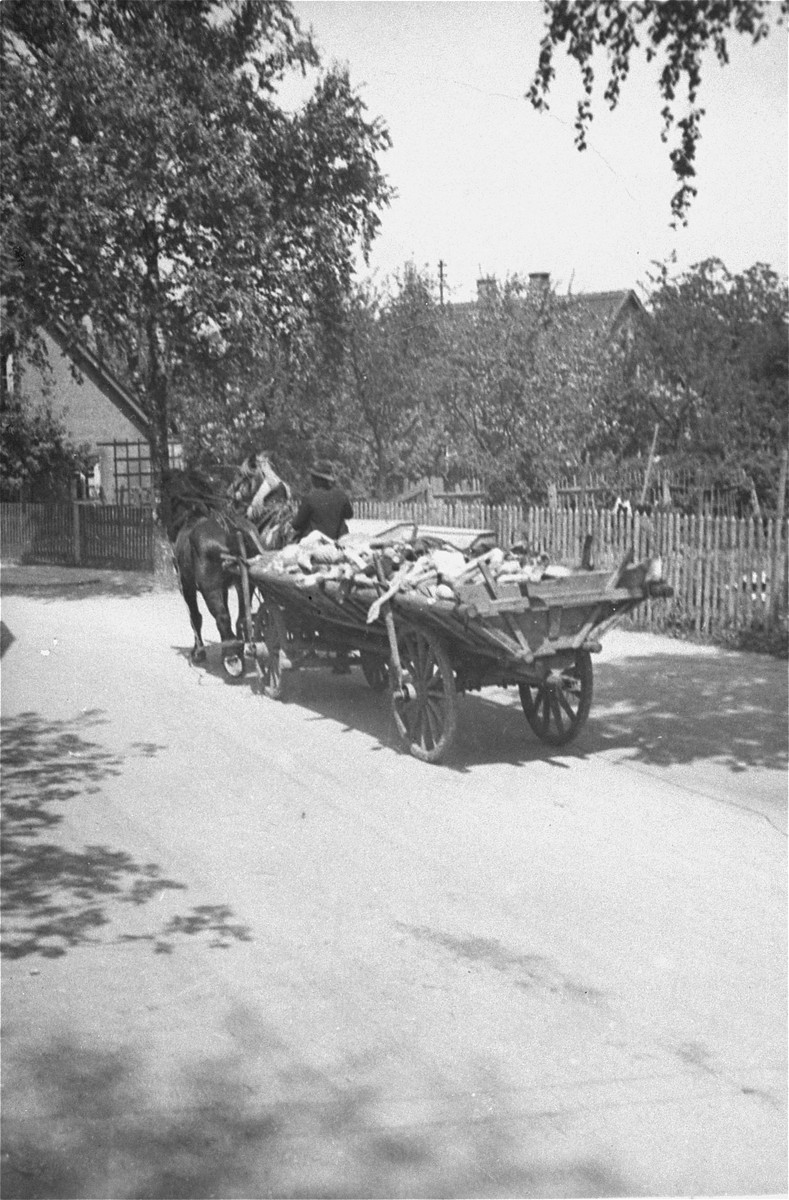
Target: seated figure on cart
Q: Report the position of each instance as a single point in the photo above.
(326, 506)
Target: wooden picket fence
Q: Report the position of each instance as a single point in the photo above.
(77, 534)
(728, 574)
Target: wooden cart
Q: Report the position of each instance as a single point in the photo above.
(539, 636)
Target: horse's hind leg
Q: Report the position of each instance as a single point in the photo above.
(214, 591)
(215, 596)
(227, 586)
(196, 617)
(186, 579)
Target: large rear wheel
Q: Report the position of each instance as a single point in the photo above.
(425, 711)
(557, 707)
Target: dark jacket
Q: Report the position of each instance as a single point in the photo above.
(326, 509)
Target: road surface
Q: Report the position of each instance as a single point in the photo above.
(253, 949)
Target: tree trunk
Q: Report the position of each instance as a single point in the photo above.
(159, 416)
(160, 457)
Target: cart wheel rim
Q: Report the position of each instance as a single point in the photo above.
(273, 675)
(557, 709)
(428, 721)
(268, 629)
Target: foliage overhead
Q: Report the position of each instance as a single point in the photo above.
(711, 368)
(390, 385)
(675, 33)
(153, 182)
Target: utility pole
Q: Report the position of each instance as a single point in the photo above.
(441, 265)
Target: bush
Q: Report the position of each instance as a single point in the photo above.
(37, 460)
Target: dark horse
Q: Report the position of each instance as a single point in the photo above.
(204, 526)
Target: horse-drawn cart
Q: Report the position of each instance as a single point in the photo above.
(429, 646)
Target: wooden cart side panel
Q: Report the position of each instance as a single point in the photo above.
(557, 615)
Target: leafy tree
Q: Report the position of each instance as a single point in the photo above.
(36, 457)
(152, 181)
(521, 380)
(389, 382)
(675, 33)
(711, 368)
(288, 406)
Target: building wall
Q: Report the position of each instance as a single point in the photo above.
(87, 412)
(92, 413)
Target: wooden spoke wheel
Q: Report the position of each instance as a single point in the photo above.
(426, 714)
(557, 708)
(270, 629)
(375, 670)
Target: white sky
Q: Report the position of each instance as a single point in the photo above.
(492, 187)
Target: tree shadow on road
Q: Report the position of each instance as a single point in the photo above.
(657, 709)
(100, 1131)
(56, 896)
(680, 708)
(76, 583)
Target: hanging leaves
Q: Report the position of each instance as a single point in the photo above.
(676, 35)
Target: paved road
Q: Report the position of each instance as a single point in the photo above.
(252, 949)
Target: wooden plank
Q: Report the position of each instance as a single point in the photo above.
(772, 571)
(715, 580)
(479, 606)
(674, 579)
(760, 571)
(704, 596)
(512, 627)
(687, 567)
(731, 572)
(749, 557)
(735, 573)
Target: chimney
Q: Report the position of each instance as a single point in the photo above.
(486, 287)
(539, 282)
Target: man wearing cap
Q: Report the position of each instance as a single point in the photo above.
(326, 506)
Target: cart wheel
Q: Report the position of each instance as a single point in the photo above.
(268, 628)
(375, 670)
(557, 708)
(426, 717)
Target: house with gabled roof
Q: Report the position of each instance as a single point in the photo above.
(610, 313)
(97, 410)
(607, 313)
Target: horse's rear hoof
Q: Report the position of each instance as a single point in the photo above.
(233, 666)
(198, 654)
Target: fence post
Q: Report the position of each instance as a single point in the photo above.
(76, 547)
(772, 572)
